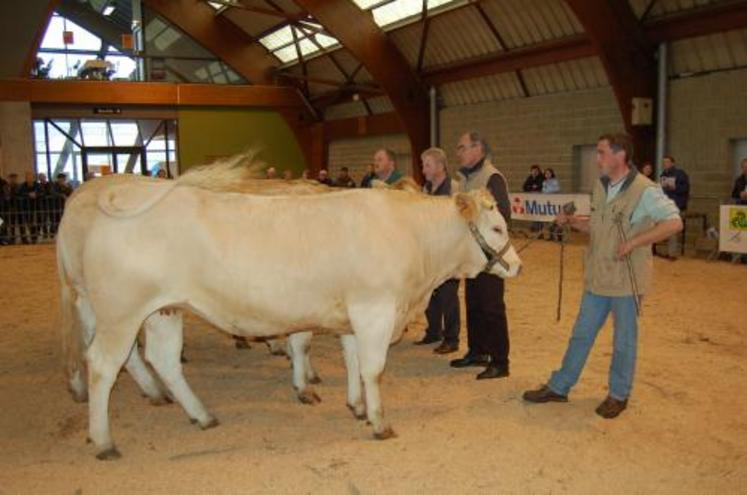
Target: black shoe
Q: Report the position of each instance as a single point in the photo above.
(542, 395)
(493, 371)
(446, 348)
(611, 408)
(428, 339)
(470, 360)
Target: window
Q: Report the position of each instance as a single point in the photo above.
(66, 47)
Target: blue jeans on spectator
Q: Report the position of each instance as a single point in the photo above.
(591, 318)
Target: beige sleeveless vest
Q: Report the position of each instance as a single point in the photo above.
(479, 179)
(606, 275)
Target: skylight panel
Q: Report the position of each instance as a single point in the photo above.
(278, 38)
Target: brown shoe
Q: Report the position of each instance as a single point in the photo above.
(542, 395)
(611, 408)
(446, 348)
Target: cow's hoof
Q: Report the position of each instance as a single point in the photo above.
(309, 397)
(110, 454)
(210, 423)
(386, 434)
(163, 400)
(359, 412)
(315, 380)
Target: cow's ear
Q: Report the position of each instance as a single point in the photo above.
(467, 206)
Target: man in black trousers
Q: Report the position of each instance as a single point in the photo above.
(443, 309)
(487, 326)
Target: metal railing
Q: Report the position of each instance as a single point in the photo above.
(28, 220)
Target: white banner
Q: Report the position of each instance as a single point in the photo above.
(538, 207)
(733, 229)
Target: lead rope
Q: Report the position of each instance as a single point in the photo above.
(565, 233)
(629, 263)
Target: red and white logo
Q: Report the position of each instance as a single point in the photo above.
(518, 206)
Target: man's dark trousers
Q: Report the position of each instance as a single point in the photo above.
(487, 326)
(443, 312)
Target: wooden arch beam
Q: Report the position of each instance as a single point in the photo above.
(628, 58)
(357, 31)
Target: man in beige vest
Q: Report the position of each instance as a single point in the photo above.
(628, 214)
(487, 326)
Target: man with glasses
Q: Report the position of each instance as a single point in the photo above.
(487, 326)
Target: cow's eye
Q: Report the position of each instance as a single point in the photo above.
(498, 229)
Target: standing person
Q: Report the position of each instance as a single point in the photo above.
(27, 196)
(385, 166)
(533, 182)
(44, 206)
(13, 218)
(550, 185)
(323, 178)
(369, 177)
(344, 179)
(622, 199)
(676, 185)
(4, 212)
(61, 190)
(443, 308)
(271, 173)
(487, 326)
(739, 191)
(647, 169)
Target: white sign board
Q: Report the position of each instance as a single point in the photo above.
(538, 207)
(733, 229)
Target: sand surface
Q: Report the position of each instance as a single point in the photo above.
(684, 432)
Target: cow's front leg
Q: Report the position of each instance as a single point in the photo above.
(355, 392)
(299, 345)
(373, 325)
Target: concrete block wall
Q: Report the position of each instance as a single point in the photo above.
(706, 113)
(541, 130)
(16, 138)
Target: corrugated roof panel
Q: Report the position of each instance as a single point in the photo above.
(407, 40)
(458, 35)
(251, 22)
(526, 22)
(718, 51)
(344, 110)
(380, 104)
(495, 87)
(323, 67)
(574, 75)
(662, 8)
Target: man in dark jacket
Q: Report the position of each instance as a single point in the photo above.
(676, 185)
(739, 192)
(487, 325)
(443, 308)
(344, 179)
(533, 184)
(27, 198)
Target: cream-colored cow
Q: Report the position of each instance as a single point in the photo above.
(350, 262)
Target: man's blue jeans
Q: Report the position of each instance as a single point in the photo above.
(591, 318)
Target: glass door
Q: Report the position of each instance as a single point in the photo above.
(104, 160)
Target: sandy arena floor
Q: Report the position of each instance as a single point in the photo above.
(684, 431)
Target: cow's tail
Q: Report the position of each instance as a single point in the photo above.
(122, 200)
(71, 329)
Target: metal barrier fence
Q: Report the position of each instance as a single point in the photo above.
(30, 220)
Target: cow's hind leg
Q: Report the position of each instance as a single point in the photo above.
(373, 325)
(163, 347)
(106, 355)
(298, 348)
(139, 372)
(355, 393)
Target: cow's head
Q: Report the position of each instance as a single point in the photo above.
(490, 233)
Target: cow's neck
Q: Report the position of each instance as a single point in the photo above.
(448, 247)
